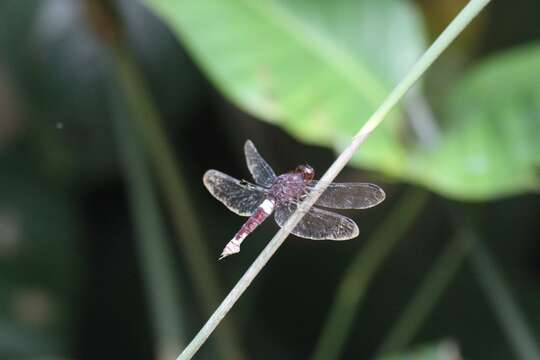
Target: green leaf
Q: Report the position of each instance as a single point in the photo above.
(317, 69)
(441, 351)
(491, 144)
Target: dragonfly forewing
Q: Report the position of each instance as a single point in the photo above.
(258, 167)
(241, 197)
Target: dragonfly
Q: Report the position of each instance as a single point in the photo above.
(282, 194)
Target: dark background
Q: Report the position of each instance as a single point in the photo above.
(71, 282)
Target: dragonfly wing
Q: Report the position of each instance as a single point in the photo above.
(258, 167)
(350, 195)
(318, 224)
(238, 196)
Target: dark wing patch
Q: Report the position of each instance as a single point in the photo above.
(241, 197)
(258, 167)
(349, 195)
(318, 224)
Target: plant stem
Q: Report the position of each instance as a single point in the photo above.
(428, 293)
(499, 296)
(440, 44)
(357, 278)
(178, 198)
(156, 260)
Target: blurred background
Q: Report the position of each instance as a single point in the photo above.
(111, 111)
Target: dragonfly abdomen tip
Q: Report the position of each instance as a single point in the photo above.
(232, 247)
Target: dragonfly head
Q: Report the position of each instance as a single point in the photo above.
(307, 172)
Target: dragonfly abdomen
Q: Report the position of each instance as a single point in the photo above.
(260, 214)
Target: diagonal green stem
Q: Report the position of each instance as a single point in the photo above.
(441, 43)
(177, 198)
(500, 298)
(428, 293)
(358, 277)
(156, 259)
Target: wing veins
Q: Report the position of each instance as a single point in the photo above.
(318, 224)
(239, 196)
(349, 195)
(262, 173)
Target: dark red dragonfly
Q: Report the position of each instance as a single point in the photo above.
(282, 194)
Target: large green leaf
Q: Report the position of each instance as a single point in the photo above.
(491, 143)
(316, 68)
(319, 69)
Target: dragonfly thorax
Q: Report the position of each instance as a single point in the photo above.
(288, 187)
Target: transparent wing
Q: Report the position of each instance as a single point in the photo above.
(241, 197)
(318, 224)
(349, 195)
(260, 170)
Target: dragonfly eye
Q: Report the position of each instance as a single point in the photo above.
(307, 171)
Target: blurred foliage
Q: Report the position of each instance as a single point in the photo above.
(48, 71)
(160, 280)
(491, 131)
(39, 263)
(442, 351)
